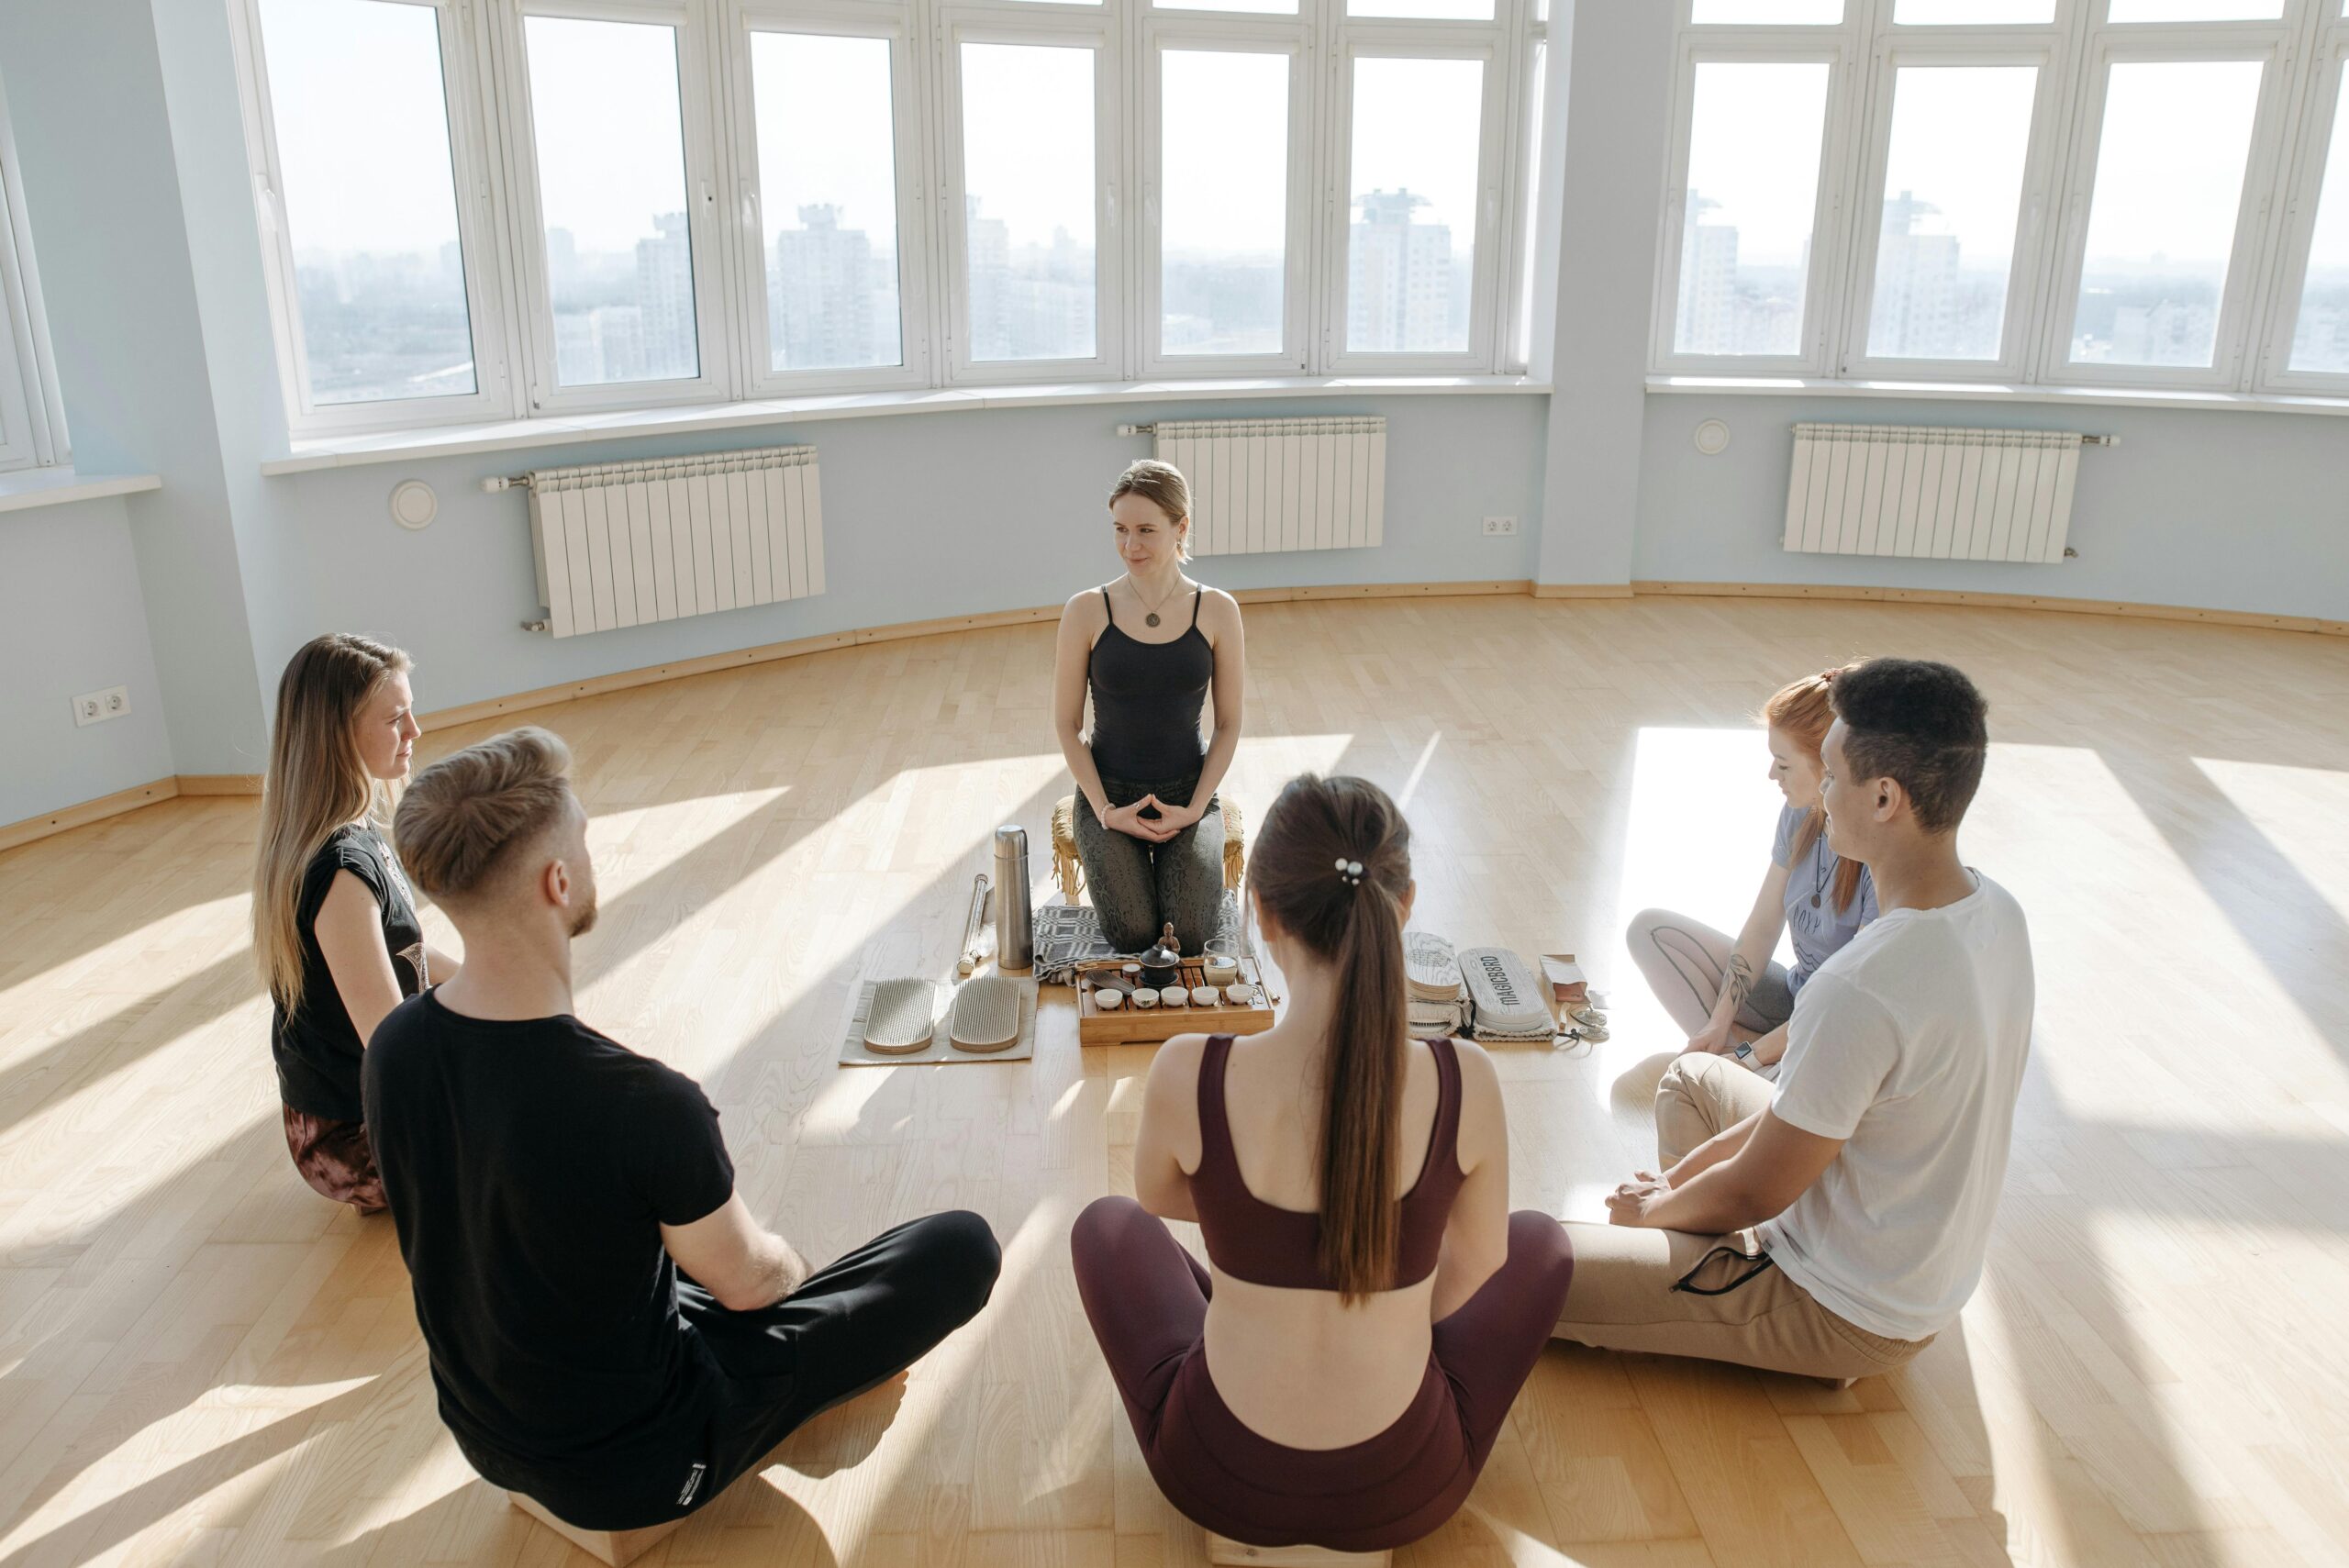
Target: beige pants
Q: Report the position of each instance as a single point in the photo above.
(1623, 1298)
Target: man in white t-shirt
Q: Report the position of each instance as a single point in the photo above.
(1869, 1175)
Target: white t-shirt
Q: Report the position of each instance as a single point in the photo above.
(1909, 1045)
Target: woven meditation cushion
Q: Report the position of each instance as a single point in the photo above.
(1070, 873)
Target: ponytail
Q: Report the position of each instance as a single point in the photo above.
(1351, 917)
(1361, 1121)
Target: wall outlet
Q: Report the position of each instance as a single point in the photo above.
(97, 707)
(1500, 527)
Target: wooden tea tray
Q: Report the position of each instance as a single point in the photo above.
(1152, 1025)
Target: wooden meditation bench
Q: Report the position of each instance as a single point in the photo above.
(617, 1547)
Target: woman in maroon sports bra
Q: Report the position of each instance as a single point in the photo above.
(1338, 1372)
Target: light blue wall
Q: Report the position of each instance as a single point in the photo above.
(72, 620)
(924, 515)
(1616, 58)
(2229, 511)
(102, 192)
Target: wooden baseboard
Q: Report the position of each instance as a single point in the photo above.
(87, 812)
(1385, 591)
(2049, 601)
(1582, 590)
(220, 784)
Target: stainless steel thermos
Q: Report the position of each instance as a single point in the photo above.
(1015, 924)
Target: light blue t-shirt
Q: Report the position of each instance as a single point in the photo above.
(1821, 931)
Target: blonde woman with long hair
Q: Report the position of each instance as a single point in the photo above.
(335, 927)
(1732, 997)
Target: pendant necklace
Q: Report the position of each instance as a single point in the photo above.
(1818, 878)
(1151, 618)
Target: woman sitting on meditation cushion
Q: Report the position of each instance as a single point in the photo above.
(1338, 1372)
(1735, 1001)
(1147, 648)
(334, 924)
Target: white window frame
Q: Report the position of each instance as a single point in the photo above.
(1025, 22)
(2305, 53)
(1232, 34)
(714, 342)
(1836, 47)
(2043, 48)
(1520, 310)
(485, 82)
(896, 25)
(2328, 97)
(1493, 44)
(32, 421)
(471, 168)
(2109, 45)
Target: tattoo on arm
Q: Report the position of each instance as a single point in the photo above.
(1740, 980)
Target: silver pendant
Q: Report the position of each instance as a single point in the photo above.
(1151, 619)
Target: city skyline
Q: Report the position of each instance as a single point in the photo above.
(382, 323)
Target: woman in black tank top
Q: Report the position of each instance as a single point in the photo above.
(1147, 650)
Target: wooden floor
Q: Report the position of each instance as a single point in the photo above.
(204, 1362)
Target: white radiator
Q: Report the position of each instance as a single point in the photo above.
(621, 543)
(1928, 491)
(1263, 484)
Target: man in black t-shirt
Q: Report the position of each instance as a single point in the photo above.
(611, 1332)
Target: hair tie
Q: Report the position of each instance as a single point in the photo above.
(1828, 677)
(1350, 872)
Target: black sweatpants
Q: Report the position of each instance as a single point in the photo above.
(852, 1326)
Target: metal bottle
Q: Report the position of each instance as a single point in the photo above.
(1015, 925)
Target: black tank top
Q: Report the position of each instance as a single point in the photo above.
(1147, 697)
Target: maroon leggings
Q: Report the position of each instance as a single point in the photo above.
(1147, 1299)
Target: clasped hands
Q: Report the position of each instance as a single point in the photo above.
(1630, 1202)
(1170, 820)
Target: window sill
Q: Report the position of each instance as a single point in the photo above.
(60, 486)
(2000, 392)
(347, 452)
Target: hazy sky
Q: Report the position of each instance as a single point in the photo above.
(2331, 251)
(825, 130)
(611, 151)
(2170, 170)
(1960, 138)
(373, 182)
(1028, 135)
(1417, 123)
(1223, 181)
(1754, 150)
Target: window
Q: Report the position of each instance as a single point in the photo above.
(367, 224)
(2168, 184)
(1028, 191)
(2320, 341)
(607, 127)
(1951, 199)
(2010, 191)
(1411, 244)
(1748, 205)
(33, 423)
(1223, 202)
(827, 192)
(2313, 342)
(500, 209)
(1417, 245)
